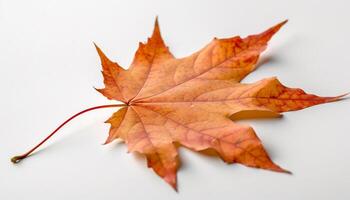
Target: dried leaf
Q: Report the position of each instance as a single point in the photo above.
(191, 101)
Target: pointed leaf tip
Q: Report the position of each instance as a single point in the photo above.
(284, 22)
(156, 30)
(156, 20)
(99, 51)
(265, 36)
(277, 27)
(337, 98)
(96, 45)
(171, 180)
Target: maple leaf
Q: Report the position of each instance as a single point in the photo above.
(190, 101)
(193, 102)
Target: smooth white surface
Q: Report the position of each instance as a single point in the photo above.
(48, 67)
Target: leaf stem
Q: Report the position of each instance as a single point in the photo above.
(17, 159)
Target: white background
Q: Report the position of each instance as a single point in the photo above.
(48, 67)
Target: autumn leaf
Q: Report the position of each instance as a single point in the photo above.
(189, 101)
(193, 102)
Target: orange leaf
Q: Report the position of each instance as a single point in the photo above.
(191, 101)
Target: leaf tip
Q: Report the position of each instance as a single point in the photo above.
(175, 188)
(337, 98)
(344, 95)
(284, 22)
(171, 180)
(156, 30)
(97, 48)
(98, 90)
(286, 171)
(271, 31)
(278, 26)
(99, 51)
(156, 21)
(277, 168)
